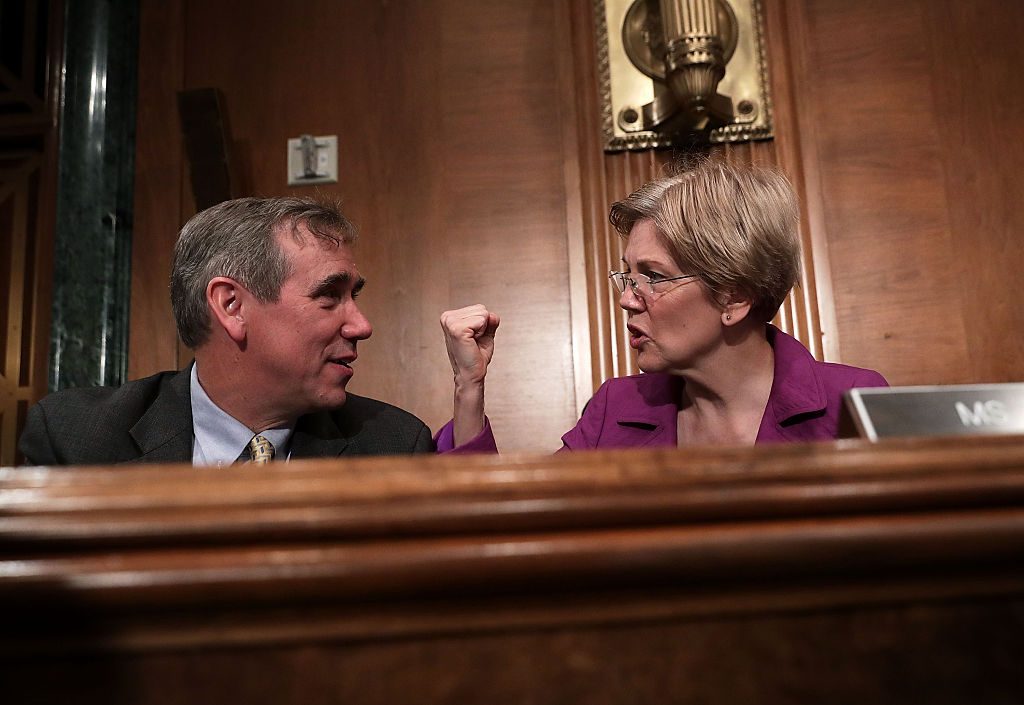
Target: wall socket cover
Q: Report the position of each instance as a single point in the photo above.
(313, 160)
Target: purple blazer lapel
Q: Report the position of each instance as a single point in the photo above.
(797, 390)
(644, 413)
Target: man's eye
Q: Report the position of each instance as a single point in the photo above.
(654, 276)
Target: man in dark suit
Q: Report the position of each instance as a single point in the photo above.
(264, 293)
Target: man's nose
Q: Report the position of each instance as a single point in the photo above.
(356, 326)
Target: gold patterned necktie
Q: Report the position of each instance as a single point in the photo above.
(261, 451)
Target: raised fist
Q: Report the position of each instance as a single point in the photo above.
(469, 337)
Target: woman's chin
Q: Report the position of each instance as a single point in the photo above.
(650, 363)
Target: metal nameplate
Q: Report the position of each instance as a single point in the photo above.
(886, 412)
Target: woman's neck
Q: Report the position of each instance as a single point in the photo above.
(724, 399)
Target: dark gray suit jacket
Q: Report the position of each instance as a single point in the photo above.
(150, 421)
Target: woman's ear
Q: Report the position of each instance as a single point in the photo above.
(225, 298)
(736, 309)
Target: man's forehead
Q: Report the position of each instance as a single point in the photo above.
(299, 233)
(313, 259)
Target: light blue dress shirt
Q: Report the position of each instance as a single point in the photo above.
(219, 438)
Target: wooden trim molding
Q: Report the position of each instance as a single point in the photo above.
(814, 519)
(164, 584)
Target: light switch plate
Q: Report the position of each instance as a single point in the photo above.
(313, 160)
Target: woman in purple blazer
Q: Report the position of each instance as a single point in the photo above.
(711, 253)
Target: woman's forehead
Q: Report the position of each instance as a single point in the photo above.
(644, 245)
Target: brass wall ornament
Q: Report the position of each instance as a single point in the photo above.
(674, 72)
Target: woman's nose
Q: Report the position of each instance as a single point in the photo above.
(629, 300)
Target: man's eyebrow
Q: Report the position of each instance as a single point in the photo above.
(332, 282)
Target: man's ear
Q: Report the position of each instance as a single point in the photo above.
(736, 308)
(226, 300)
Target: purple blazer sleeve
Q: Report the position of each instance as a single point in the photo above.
(483, 442)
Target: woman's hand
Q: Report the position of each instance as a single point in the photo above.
(469, 338)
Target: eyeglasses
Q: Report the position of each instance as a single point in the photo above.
(641, 284)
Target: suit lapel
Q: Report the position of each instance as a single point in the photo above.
(318, 436)
(164, 432)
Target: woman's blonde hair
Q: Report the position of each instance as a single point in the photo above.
(735, 226)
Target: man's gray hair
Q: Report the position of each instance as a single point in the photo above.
(236, 239)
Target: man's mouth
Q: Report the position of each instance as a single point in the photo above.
(343, 361)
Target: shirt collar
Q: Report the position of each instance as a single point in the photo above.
(219, 438)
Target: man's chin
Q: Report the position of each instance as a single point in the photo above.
(331, 399)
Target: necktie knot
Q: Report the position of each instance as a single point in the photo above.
(261, 450)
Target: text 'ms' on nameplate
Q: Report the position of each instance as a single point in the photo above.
(970, 409)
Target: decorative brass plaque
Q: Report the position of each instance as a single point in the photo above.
(646, 106)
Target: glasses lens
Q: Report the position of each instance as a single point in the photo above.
(642, 285)
(618, 280)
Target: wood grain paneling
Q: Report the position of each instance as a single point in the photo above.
(794, 149)
(20, 172)
(30, 86)
(976, 62)
(912, 179)
(452, 165)
(159, 173)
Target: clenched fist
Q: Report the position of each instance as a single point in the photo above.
(469, 337)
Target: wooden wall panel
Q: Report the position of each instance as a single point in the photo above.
(452, 165)
(20, 172)
(29, 97)
(159, 170)
(977, 68)
(913, 169)
(794, 148)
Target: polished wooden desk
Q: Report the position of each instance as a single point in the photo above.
(824, 573)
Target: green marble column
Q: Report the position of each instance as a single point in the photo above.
(92, 253)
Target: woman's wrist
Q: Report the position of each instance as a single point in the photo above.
(468, 414)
